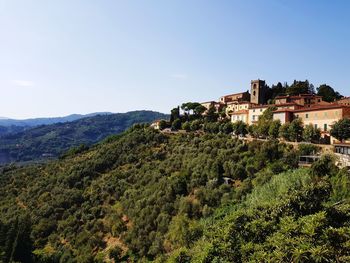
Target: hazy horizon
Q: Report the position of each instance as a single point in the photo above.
(61, 58)
(62, 116)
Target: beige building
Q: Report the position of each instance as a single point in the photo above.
(255, 112)
(237, 97)
(217, 105)
(344, 101)
(283, 115)
(236, 106)
(323, 117)
(240, 115)
(305, 100)
(155, 125)
(238, 111)
(248, 107)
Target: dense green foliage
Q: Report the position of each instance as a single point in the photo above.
(4, 130)
(136, 196)
(302, 87)
(328, 93)
(341, 129)
(297, 216)
(52, 140)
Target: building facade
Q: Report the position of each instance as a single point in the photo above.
(237, 97)
(322, 117)
(344, 101)
(255, 113)
(258, 91)
(310, 108)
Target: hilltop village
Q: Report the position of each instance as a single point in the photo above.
(311, 110)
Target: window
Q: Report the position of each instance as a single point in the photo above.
(315, 126)
(306, 116)
(325, 127)
(253, 117)
(260, 110)
(254, 110)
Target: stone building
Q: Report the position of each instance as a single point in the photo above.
(258, 91)
(237, 97)
(344, 101)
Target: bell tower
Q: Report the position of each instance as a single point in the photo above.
(258, 92)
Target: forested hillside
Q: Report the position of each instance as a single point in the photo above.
(25, 123)
(4, 130)
(52, 140)
(192, 197)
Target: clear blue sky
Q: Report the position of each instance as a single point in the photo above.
(61, 57)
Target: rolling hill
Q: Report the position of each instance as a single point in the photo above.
(50, 141)
(145, 196)
(6, 122)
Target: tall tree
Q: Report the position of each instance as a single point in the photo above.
(274, 129)
(174, 114)
(296, 130)
(240, 128)
(328, 93)
(341, 129)
(310, 133)
(299, 87)
(212, 115)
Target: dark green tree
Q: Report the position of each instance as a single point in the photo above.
(240, 128)
(186, 126)
(174, 114)
(195, 125)
(311, 134)
(176, 125)
(163, 124)
(284, 131)
(211, 115)
(328, 93)
(296, 130)
(300, 87)
(226, 128)
(274, 129)
(341, 129)
(199, 110)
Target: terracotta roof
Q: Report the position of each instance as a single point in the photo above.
(243, 102)
(240, 93)
(240, 112)
(283, 110)
(297, 96)
(322, 107)
(212, 101)
(238, 102)
(287, 104)
(304, 96)
(344, 98)
(257, 106)
(232, 102)
(342, 144)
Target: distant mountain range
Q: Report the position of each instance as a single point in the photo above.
(6, 122)
(52, 140)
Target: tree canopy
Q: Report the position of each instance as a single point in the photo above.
(328, 93)
(341, 129)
